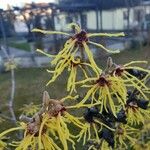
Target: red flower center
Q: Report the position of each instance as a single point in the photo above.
(80, 37)
(133, 106)
(118, 71)
(102, 81)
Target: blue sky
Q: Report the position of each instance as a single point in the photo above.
(4, 3)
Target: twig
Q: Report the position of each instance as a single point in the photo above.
(11, 101)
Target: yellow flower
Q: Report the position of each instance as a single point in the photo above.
(85, 133)
(105, 146)
(53, 120)
(73, 68)
(104, 87)
(57, 126)
(100, 145)
(122, 72)
(35, 134)
(10, 65)
(135, 114)
(29, 109)
(125, 136)
(76, 42)
(73, 63)
(143, 142)
(2, 144)
(56, 120)
(141, 146)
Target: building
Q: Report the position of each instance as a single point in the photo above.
(102, 14)
(94, 15)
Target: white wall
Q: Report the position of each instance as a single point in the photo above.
(91, 20)
(108, 19)
(119, 21)
(60, 22)
(20, 26)
(113, 19)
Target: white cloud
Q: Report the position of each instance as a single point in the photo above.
(4, 3)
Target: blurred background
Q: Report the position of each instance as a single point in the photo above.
(19, 17)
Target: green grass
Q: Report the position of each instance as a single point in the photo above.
(30, 83)
(127, 56)
(13, 42)
(23, 45)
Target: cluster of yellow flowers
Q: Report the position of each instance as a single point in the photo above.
(29, 109)
(10, 64)
(112, 111)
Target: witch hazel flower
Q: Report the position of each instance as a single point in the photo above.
(79, 41)
(102, 90)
